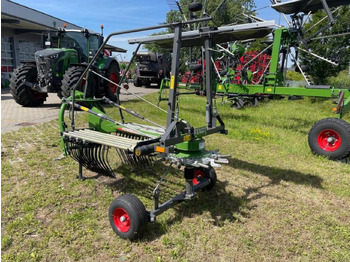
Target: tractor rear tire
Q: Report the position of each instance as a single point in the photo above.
(112, 73)
(127, 216)
(71, 77)
(21, 92)
(330, 137)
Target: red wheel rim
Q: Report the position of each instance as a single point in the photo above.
(121, 220)
(198, 174)
(329, 140)
(114, 78)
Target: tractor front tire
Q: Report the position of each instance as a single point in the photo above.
(330, 137)
(22, 93)
(127, 216)
(70, 79)
(137, 82)
(112, 73)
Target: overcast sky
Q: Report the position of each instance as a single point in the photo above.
(117, 15)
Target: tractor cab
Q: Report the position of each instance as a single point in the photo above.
(83, 41)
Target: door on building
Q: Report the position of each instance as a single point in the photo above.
(7, 60)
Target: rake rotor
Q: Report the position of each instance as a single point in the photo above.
(92, 156)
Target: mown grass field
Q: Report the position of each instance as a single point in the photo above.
(274, 201)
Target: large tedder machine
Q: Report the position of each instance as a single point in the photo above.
(178, 143)
(329, 137)
(56, 70)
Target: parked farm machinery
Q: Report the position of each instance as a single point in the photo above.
(328, 137)
(56, 70)
(178, 143)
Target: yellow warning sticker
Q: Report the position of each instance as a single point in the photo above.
(84, 108)
(187, 138)
(219, 87)
(172, 82)
(269, 90)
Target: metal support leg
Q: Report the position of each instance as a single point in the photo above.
(189, 176)
(80, 175)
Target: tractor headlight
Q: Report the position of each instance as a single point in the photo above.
(53, 56)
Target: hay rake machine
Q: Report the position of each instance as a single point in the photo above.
(178, 143)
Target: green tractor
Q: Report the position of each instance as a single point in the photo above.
(56, 70)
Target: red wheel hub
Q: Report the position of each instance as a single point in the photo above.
(329, 140)
(114, 78)
(198, 174)
(121, 220)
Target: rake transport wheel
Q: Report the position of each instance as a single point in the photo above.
(111, 90)
(71, 77)
(330, 137)
(200, 173)
(128, 216)
(24, 76)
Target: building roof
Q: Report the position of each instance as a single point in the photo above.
(22, 19)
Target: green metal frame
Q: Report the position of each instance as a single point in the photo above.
(273, 80)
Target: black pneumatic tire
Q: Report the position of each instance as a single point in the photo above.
(137, 82)
(110, 90)
(207, 173)
(330, 137)
(194, 7)
(127, 216)
(71, 77)
(21, 92)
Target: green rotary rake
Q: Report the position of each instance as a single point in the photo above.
(178, 143)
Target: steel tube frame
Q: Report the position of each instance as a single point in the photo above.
(99, 51)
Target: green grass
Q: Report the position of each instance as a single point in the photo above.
(274, 201)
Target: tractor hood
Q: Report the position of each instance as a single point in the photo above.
(50, 53)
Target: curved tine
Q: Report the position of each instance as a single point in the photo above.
(126, 157)
(130, 159)
(97, 152)
(106, 150)
(85, 155)
(104, 160)
(119, 155)
(89, 161)
(123, 156)
(74, 151)
(93, 163)
(98, 158)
